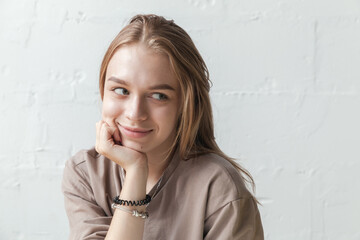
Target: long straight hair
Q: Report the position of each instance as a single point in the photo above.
(195, 127)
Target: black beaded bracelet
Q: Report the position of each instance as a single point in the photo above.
(145, 201)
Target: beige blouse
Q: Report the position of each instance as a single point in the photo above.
(202, 198)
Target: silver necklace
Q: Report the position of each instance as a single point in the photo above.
(157, 187)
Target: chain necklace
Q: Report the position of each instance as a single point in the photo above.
(157, 187)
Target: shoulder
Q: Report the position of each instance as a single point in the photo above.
(86, 159)
(213, 179)
(84, 163)
(218, 174)
(84, 170)
(83, 156)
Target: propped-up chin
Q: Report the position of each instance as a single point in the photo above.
(153, 146)
(140, 147)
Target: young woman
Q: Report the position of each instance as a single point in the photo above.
(156, 171)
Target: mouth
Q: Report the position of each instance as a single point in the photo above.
(134, 132)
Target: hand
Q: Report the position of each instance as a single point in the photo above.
(108, 144)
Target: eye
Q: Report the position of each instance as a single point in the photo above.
(121, 91)
(159, 96)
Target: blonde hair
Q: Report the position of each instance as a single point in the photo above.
(195, 128)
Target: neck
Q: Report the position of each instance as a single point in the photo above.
(157, 164)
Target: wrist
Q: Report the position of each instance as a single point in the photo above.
(135, 183)
(138, 168)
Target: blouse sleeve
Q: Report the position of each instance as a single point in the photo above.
(239, 219)
(87, 220)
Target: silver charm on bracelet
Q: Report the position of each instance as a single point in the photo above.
(133, 212)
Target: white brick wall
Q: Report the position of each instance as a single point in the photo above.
(286, 100)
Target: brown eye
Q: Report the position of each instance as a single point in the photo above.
(159, 96)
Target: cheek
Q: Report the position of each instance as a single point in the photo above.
(110, 109)
(168, 117)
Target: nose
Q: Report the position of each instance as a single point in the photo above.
(136, 109)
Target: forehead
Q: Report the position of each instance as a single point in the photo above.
(141, 65)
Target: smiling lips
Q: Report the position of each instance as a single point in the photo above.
(134, 132)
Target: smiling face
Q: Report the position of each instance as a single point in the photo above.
(142, 99)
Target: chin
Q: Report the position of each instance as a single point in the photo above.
(140, 147)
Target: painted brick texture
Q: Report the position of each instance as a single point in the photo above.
(286, 100)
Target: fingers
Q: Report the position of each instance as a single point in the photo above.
(105, 144)
(101, 137)
(98, 126)
(97, 136)
(117, 137)
(106, 139)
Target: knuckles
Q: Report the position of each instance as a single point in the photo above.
(99, 149)
(102, 147)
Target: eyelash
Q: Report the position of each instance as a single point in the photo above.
(163, 97)
(120, 88)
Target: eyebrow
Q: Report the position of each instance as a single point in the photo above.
(162, 86)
